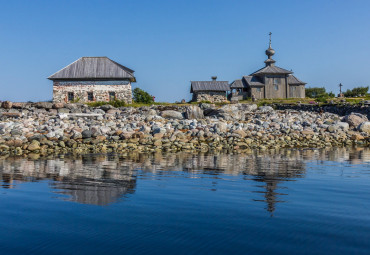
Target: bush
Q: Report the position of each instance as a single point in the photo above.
(141, 96)
(355, 92)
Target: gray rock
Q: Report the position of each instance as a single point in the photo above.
(86, 134)
(266, 109)
(44, 105)
(364, 127)
(170, 114)
(194, 112)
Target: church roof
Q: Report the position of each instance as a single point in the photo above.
(94, 68)
(209, 86)
(271, 70)
(292, 80)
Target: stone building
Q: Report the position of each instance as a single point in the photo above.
(213, 91)
(90, 79)
(270, 81)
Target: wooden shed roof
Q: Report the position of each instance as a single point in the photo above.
(209, 86)
(94, 68)
(253, 80)
(292, 80)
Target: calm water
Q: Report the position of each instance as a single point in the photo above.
(291, 202)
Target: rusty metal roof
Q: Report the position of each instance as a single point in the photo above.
(209, 86)
(94, 68)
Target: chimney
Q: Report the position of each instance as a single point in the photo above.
(214, 78)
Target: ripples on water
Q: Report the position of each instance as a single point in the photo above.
(290, 202)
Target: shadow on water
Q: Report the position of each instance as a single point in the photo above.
(104, 179)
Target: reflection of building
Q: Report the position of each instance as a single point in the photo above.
(102, 179)
(89, 180)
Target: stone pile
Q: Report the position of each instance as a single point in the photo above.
(46, 128)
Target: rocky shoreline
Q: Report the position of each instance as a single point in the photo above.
(45, 128)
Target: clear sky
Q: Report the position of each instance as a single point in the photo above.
(171, 42)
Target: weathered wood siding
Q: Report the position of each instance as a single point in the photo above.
(297, 91)
(271, 92)
(100, 90)
(258, 94)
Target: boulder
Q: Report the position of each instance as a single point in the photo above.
(44, 105)
(364, 127)
(35, 145)
(58, 105)
(18, 105)
(170, 114)
(86, 134)
(106, 107)
(266, 109)
(194, 112)
(6, 104)
(355, 119)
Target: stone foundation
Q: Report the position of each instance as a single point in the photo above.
(213, 97)
(101, 91)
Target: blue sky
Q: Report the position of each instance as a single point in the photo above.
(169, 43)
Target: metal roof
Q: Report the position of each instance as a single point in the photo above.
(292, 80)
(94, 68)
(272, 70)
(209, 86)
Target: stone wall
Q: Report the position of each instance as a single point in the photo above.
(214, 97)
(99, 89)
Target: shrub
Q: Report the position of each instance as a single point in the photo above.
(141, 96)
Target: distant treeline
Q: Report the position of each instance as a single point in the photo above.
(317, 92)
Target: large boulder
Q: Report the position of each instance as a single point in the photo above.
(6, 104)
(170, 114)
(44, 105)
(232, 111)
(355, 119)
(364, 127)
(194, 112)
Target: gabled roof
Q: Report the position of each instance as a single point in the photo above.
(209, 86)
(237, 84)
(292, 80)
(94, 68)
(272, 70)
(253, 80)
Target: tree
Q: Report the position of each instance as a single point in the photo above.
(355, 92)
(141, 96)
(316, 92)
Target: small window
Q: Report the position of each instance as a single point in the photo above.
(276, 87)
(276, 81)
(112, 96)
(90, 96)
(258, 89)
(71, 96)
(293, 88)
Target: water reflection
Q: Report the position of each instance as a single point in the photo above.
(103, 179)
